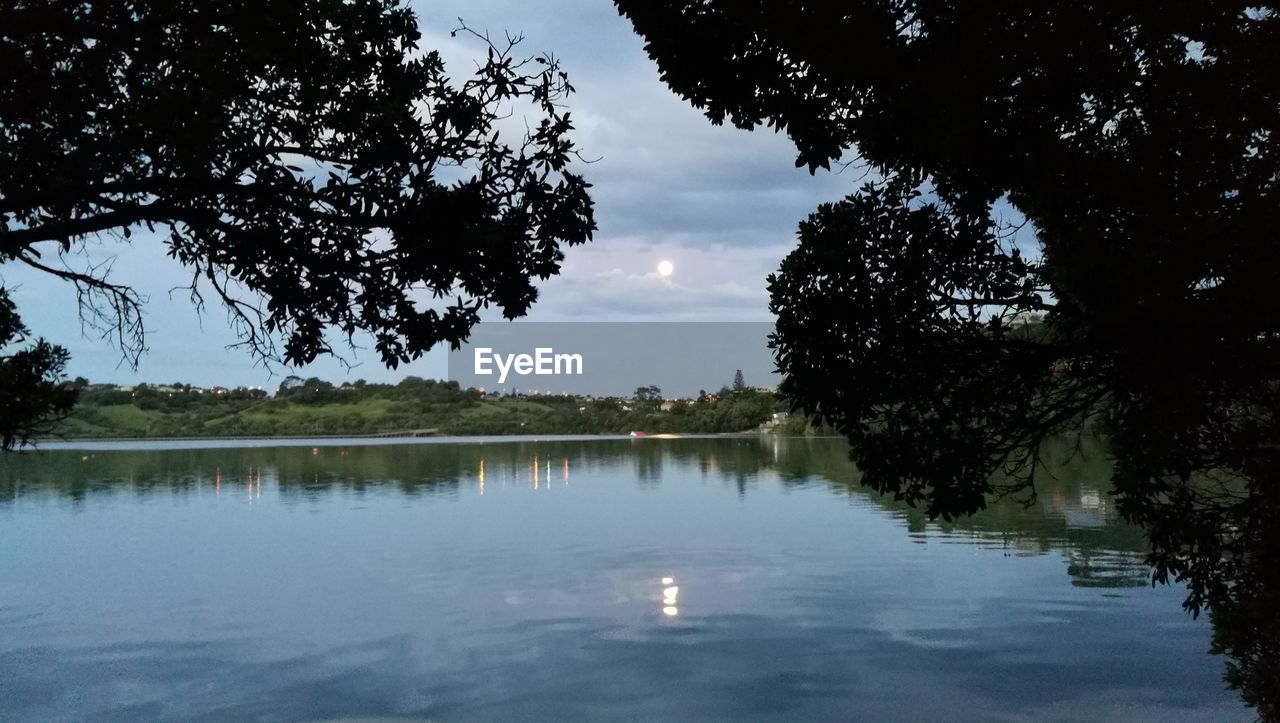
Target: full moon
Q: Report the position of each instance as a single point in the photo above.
(665, 268)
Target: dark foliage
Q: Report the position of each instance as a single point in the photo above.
(1141, 143)
(302, 158)
(31, 395)
(412, 406)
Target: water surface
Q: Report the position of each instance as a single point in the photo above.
(497, 579)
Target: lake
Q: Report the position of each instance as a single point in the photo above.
(585, 579)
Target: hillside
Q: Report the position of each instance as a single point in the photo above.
(413, 406)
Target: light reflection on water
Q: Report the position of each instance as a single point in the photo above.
(674, 578)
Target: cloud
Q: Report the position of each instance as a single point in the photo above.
(616, 294)
(721, 203)
(618, 280)
(660, 169)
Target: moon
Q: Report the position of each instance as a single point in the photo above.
(665, 268)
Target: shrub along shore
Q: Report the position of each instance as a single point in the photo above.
(313, 407)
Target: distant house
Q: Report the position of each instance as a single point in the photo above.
(668, 405)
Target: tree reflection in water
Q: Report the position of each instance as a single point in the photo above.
(1073, 515)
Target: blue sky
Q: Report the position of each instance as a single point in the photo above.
(720, 203)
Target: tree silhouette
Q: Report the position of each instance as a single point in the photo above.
(738, 383)
(1134, 150)
(649, 395)
(302, 159)
(30, 393)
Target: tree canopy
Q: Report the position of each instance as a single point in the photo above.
(305, 160)
(1111, 166)
(31, 393)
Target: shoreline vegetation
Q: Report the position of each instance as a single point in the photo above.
(373, 439)
(413, 407)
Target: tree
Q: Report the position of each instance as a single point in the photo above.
(30, 393)
(302, 159)
(738, 383)
(313, 390)
(650, 394)
(1133, 149)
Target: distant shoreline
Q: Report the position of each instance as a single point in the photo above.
(175, 443)
(415, 407)
(401, 437)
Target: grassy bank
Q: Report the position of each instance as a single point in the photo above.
(316, 408)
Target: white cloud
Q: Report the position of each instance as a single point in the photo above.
(720, 203)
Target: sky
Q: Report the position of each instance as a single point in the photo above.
(721, 204)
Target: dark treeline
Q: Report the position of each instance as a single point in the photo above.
(742, 463)
(414, 405)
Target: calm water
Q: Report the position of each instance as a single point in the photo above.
(524, 580)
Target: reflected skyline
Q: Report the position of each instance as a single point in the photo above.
(724, 558)
(1074, 518)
